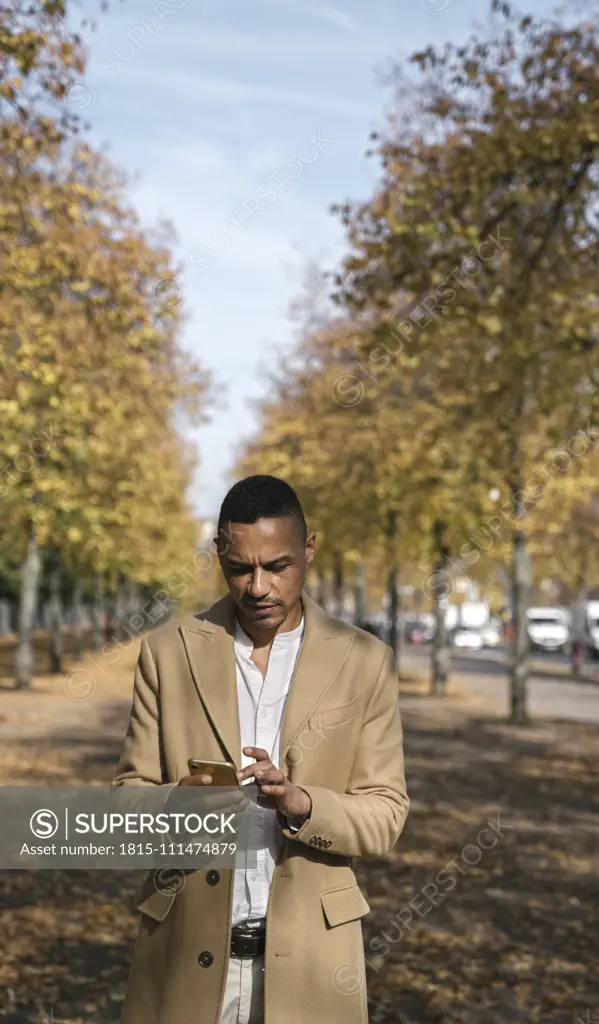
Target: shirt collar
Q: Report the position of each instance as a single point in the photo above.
(280, 640)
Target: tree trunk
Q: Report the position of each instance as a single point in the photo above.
(359, 596)
(98, 613)
(13, 615)
(521, 579)
(4, 617)
(338, 586)
(120, 610)
(393, 609)
(579, 628)
(30, 576)
(55, 610)
(322, 590)
(440, 652)
(131, 598)
(77, 625)
(110, 617)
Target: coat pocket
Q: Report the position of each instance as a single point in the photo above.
(329, 718)
(343, 905)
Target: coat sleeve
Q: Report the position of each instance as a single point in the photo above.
(368, 818)
(142, 762)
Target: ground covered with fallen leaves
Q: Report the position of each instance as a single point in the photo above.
(486, 911)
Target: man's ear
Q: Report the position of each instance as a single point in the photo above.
(310, 547)
(224, 539)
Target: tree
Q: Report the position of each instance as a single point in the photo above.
(92, 377)
(375, 473)
(479, 249)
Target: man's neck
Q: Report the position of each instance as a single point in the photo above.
(264, 637)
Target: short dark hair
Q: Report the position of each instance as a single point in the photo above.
(261, 497)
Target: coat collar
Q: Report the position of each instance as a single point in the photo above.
(209, 642)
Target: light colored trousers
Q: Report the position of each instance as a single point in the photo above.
(244, 992)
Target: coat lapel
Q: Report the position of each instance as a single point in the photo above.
(324, 650)
(210, 645)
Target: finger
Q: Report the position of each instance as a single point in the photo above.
(196, 780)
(250, 771)
(272, 789)
(269, 775)
(258, 752)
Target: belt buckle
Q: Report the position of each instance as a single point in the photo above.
(246, 943)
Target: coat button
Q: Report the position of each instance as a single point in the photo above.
(213, 878)
(205, 959)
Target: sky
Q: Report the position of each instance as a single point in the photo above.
(241, 122)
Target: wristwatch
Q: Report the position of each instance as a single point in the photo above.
(295, 821)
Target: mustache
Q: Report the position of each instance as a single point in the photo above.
(260, 604)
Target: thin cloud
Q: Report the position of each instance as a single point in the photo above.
(209, 88)
(333, 16)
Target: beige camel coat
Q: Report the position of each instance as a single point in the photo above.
(341, 741)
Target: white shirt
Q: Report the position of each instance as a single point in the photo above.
(261, 706)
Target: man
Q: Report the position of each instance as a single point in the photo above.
(307, 707)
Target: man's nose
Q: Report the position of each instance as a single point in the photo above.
(259, 583)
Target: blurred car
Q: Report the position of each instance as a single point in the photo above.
(418, 632)
(490, 635)
(467, 639)
(548, 628)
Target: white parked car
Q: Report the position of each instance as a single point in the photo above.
(468, 639)
(548, 628)
(491, 635)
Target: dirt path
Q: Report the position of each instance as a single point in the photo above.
(486, 912)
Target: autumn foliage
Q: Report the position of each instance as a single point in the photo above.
(456, 384)
(94, 384)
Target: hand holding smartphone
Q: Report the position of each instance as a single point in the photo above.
(221, 773)
(222, 789)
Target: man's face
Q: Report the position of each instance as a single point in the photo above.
(264, 564)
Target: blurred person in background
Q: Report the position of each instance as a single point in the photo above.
(305, 706)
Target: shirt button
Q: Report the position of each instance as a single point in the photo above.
(263, 714)
(205, 959)
(213, 878)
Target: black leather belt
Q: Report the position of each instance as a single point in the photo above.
(247, 942)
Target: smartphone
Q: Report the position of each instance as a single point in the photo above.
(222, 773)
